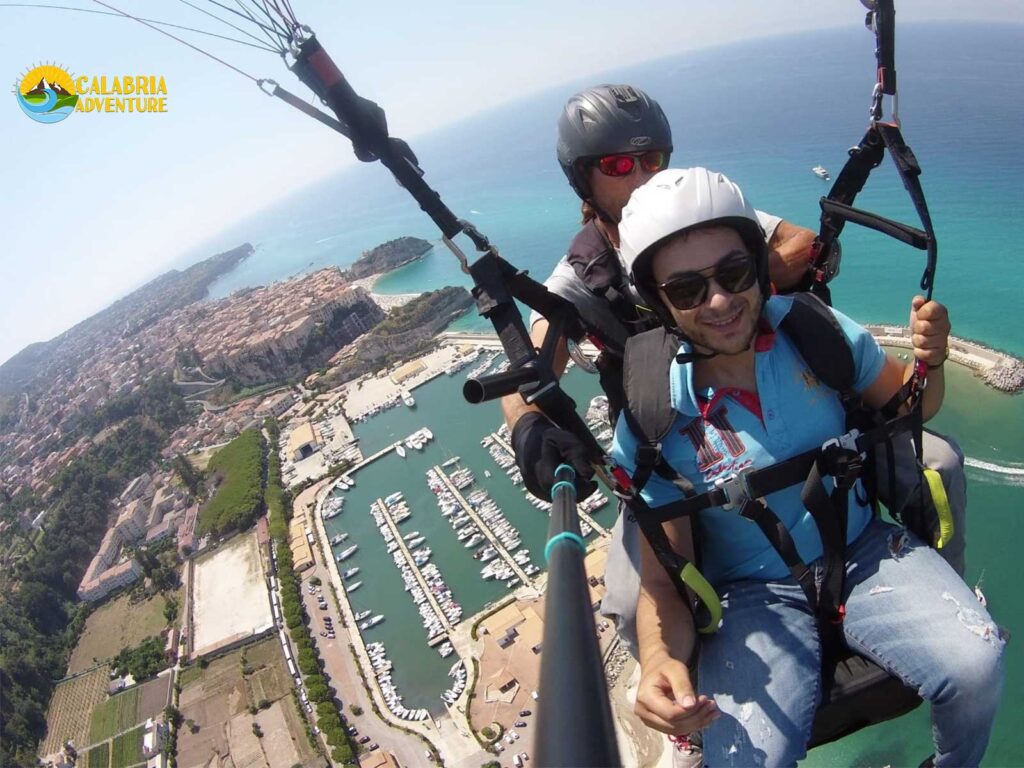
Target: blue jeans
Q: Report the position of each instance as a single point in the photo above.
(906, 609)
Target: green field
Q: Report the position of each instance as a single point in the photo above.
(115, 715)
(239, 499)
(98, 756)
(127, 749)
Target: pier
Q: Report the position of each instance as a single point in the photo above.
(412, 564)
(484, 528)
(601, 530)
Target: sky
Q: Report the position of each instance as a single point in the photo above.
(96, 205)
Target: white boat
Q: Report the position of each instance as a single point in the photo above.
(408, 399)
(416, 542)
(487, 473)
(411, 535)
(372, 622)
(821, 173)
(336, 540)
(343, 485)
(350, 573)
(348, 479)
(473, 541)
(353, 587)
(427, 433)
(393, 498)
(347, 553)
(363, 614)
(400, 449)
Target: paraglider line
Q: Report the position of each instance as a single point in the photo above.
(261, 46)
(175, 37)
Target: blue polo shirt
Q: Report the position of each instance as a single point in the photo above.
(718, 433)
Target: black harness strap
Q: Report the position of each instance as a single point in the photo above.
(782, 542)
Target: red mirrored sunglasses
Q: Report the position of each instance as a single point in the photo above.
(623, 165)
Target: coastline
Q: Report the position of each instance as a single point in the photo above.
(999, 370)
(386, 301)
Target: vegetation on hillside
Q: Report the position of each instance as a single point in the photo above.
(40, 617)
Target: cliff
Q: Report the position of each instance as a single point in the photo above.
(408, 331)
(388, 256)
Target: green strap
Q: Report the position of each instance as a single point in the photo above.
(695, 580)
(941, 502)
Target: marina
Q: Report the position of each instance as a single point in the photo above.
(499, 446)
(442, 622)
(423, 673)
(471, 513)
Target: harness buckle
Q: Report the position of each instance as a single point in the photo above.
(648, 454)
(845, 442)
(735, 488)
(843, 459)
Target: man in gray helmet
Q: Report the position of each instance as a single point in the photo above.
(611, 140)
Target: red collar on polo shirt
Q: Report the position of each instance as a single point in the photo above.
(749, 400)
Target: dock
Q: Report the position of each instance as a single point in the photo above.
(483, 527)
(598, 528)
(412, 564)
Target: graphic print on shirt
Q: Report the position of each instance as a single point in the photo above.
(714, 439)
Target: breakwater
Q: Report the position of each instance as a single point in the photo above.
(999, 370)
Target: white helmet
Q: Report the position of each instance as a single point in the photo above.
(676, 200)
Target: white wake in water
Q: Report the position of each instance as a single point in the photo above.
(999, 469)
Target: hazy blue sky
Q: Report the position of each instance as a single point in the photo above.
(97, 204)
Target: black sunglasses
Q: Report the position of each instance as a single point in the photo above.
(735, 273)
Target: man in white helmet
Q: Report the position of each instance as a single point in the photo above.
(743, 400)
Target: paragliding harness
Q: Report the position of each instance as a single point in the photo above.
(597, 265)
(856, 692)
(860, 693)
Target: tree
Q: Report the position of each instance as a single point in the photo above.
(356, 710)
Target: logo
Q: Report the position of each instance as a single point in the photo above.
(47, 93)
(640, 141)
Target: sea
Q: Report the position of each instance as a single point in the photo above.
(765, 113)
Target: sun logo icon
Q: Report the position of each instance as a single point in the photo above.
(47, 93)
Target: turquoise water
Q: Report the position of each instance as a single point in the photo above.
(962, 109)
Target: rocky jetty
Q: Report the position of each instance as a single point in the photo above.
(1006, 378)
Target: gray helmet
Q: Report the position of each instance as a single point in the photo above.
(605, 120)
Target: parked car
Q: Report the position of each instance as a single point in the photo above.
(372, 746)
(352, 730)
(525, 712)
(364, 739)
(520, 723)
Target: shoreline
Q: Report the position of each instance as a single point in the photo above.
(1001, 371)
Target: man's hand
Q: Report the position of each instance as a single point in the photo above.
(666, 700)
(929, 328)
(540, 447)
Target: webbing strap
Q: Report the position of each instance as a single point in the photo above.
(778, 535)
